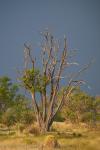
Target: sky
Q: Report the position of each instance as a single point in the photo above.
(22, 21)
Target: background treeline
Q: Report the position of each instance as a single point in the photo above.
(16, 108)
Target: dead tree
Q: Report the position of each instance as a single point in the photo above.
(47, 80)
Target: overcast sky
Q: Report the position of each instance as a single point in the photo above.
(79, 20)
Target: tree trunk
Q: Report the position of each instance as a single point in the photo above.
(44, 126)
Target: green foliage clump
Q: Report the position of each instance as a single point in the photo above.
(81, 107)
(14, 107)
(8, 118)
(34, 81)
(59, 117)
(27, 117)
(71, 115)
(8, 93)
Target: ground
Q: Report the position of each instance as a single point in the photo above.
(70, 137)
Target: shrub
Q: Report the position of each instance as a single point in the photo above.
(88, 117)
(27, 117)
(8, 118)
(21, 127)
(59, 117)
(32, 130)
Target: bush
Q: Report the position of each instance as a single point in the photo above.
(27, 117)
(21, 127)
(8, 118)
(59, 117)
(87, 117)
(32, 130)
(71, 116)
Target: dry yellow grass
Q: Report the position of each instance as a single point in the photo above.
(80, 138)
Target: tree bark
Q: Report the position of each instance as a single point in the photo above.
(44, 127)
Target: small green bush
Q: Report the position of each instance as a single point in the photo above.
(8, 118)
(27, 117)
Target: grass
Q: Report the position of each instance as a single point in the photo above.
(90, 141)
(69, 137)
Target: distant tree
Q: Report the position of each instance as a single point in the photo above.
(19, 113)
(96, 108)
(46, 81)
(8, 92)
(81, 107)
(23, 111)
(14, 107)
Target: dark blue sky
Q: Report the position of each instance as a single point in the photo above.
(79, 20)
